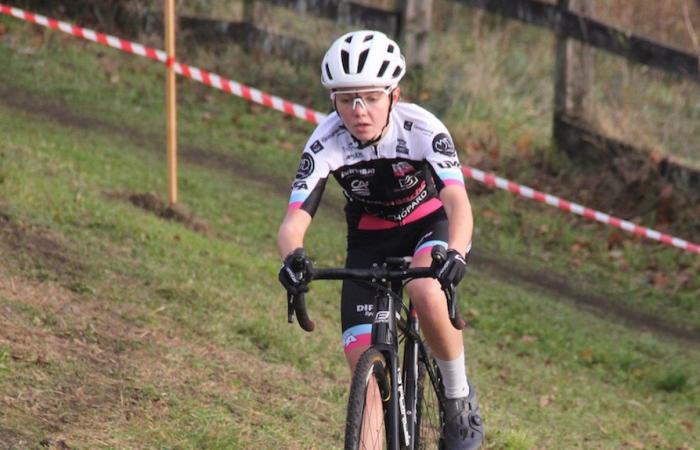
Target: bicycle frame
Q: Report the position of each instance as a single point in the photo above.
(388, 279)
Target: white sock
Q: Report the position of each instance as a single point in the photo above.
(454, 377)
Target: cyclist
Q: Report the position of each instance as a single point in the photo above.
(399, 171)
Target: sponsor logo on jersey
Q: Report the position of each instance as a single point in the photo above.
(401, 168)
(306, 166)
(443, 144)
(407, 125)
(424, 131)
(408, 209)
(448, 164)
(408, 181)
(366, 172)
(360, 187)
(299, 185)
(354, 155)
(333, 134)
(316, 147)
(401, 147)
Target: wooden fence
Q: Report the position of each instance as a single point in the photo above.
(410, 21)
(577, 34)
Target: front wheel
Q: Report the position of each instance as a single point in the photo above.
(429, 400)
(370, 391)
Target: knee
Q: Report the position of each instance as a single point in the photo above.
(424, 291)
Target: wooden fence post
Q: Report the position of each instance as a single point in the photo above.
(417, 16)
(574, 68)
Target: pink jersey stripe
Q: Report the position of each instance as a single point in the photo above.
(369, 222)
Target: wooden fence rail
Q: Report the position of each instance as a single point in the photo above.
(596, 34)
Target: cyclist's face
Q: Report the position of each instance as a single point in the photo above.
(364, 113)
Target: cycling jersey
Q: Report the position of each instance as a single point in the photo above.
(391, 183)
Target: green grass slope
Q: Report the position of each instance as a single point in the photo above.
(122, 329)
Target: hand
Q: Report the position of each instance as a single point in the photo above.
(452, 269)
(295, 271)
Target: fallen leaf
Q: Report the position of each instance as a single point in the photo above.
(635, 444)
(659, 280)
(545, 400)
(687, 425)
(586, 355)
(615, 239)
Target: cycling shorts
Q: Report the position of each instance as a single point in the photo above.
(368, 247)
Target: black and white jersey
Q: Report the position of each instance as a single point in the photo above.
(391, 183)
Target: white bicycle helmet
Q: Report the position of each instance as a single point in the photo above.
(362, 59)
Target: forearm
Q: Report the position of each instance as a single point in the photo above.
(292, 231)
(459, 215)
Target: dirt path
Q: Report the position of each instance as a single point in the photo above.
(217, 159)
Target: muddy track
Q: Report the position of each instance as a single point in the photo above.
(217, 159)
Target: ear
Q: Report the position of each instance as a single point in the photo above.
(396, 94)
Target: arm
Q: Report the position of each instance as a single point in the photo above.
(459, 215)
(292, 231)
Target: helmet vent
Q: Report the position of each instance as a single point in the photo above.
(396, 73)
(369, 37)
(382, 69)
(328, 72)
(345, 59)
(390, 49)
(363, 59)
(348, 39)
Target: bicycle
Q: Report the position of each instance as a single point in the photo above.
(412, 409)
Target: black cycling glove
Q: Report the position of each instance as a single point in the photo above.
(295, 271)
(452, 270)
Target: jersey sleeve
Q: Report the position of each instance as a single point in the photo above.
(311, 177)
(442, 158)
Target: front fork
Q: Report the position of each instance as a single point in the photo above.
(384, 339)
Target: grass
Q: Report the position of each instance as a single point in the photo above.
(124, 330)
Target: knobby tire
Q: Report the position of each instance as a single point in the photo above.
(371, 370)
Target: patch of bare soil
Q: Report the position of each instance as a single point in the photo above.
(177, 212)
(37, 247)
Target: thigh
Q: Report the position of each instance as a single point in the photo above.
(435, 232)
(357, 301)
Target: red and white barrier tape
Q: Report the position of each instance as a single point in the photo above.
(296, 110)
(492, 180)
(203, 76)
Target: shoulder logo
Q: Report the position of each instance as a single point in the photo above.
(407, 125)
(316, 147)
(443, 144)
(306, 166)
